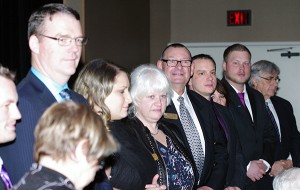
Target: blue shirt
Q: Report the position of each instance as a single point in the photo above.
(53, 87)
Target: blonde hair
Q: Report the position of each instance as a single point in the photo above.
(95, 82)
(63, 125)
(146, 79)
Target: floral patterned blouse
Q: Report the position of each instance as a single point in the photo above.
(179, 170)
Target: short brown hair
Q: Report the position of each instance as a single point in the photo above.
(235, 47)
(6, 73)
(37, 19)
(63, 125)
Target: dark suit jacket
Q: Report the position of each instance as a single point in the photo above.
(2, 185)
(236, 173)
(34, 99)
(215, 163)
(257, 137)
(290, 136)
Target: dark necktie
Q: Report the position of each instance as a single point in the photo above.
(65, 94)
(241, 96)
(192, 135)
(221, 122)
(273, 121)
(5, 178)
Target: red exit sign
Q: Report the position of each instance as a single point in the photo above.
(239, 18)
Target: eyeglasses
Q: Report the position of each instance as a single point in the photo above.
(276, 79)
(173, 63)
(65, 41)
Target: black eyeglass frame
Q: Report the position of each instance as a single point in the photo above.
(171, 62)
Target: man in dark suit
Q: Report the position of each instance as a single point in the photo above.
(175, 62)
(265, 78)
(55, 40)
(255, 130)
(204, 82)
(9, 114)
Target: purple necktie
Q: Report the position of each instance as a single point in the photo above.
(221, 121)
(241, 96)
(5, 178)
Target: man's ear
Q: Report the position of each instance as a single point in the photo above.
(159, 64)
(254, 82)
(224, 66)
(34, 44)
(192, 69)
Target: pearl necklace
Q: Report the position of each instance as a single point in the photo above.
(157, 131)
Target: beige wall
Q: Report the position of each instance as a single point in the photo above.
(136, 31)
(118, 30)
(205, 21)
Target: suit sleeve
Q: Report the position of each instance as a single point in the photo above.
(269, 138)
(239, 176)
(295, 136)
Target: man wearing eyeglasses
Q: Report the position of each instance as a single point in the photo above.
(197, 124)
(55, 40)
(265, 78)
(255, 130)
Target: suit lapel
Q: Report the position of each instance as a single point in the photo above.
(171, 110)
(43, 96)
(252, 103)
(236, 102)
(202, 114)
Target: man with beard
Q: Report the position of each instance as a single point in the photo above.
(254, 127)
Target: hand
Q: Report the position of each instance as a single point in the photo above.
(232, 188)
(280, 166)
(155, 185)
(287, 164)
(204, 188)
(256, 170)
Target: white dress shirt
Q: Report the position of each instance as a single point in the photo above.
(191, 110)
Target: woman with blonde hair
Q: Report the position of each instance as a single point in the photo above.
(106, 88)
(150, 146)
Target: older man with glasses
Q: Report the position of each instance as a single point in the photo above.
(55, 40)
(265, 78)
(191, 113)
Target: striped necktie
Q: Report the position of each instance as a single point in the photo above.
(273, 121)
(192, 135)
(5, 178)
(65, 94)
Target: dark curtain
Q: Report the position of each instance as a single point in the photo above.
(14, 49)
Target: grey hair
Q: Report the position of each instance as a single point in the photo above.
(147, 79)
(288, 179)
(260, 67)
